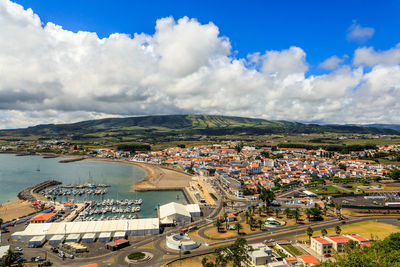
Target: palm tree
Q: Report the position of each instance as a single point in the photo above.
(220, 257)
(260, 209)
(287, 212)
(232, 203)
(324, 232)
(226, 220)
(247, 215)
(308, 214)
(338, 208)
(260, 223)
(9, 258)
(309, 232)
(218, 224)
(54, 199)
(251, 222)
(338, 230)
(267, 196)
(325, 209)
(239, 227)
(224, 205)
(204, 261)
(1, 221)
(296, 214)
(277, 213)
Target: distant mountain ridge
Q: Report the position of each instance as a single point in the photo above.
(172, 125)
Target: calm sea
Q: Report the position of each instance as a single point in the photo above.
(17, 173)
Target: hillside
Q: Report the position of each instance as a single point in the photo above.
(154, 128)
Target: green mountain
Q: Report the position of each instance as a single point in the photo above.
(154, 128)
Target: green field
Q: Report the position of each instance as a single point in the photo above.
(293, 250)
(327, 190)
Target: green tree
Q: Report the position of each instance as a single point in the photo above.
(220, 258)
(9, 258)
(309, 232)
(260, 223)
(238, 227)
(287, 212)
(204, 261)
(224, 205)
(277, 213)
(237, 253)
(226, 220)
(338, 230)
(324, 232)
(247, 215)
(239, 147)
(394, 174)
(267, 196)
(296, 214)
(218, 224)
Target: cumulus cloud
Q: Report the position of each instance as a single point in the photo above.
(52, 75)
(358, 33)
(331, 63)
(367, 56)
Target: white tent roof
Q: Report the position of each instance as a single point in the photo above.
(89, 235)
(173, 208)
(39, 238)
(106, 234)
(193, 208)
(62, 228)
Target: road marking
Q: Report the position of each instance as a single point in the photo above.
(148, 246)
(166, 257)
(110, 260)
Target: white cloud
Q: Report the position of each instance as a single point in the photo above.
(52, 75)
(331, 63)
(367, 56)
(358, 33)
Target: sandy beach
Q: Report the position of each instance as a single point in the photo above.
(157, 178)
(15, 210)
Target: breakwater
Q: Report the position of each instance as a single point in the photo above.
(71, 160)
(26, 194)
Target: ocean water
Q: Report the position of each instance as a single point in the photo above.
(18, 173)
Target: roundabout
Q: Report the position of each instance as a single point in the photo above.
(139, 257)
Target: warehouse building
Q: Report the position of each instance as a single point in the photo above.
(136, 227)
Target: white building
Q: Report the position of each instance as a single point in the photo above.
(176, 212)
(148, 226)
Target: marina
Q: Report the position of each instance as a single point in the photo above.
(86, 181)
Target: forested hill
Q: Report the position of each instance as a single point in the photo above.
(157, 126)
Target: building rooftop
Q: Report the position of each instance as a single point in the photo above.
(309, 259)
(42, 217)
(339, 238)
(358, 237)
(321, 240)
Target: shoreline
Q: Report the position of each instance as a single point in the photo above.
(156, 178)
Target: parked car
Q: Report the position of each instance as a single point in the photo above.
(55, 250)
(39, 258)
(18, 249)
(71, 256)
(186, 252)
(327, 255)
(4, 231)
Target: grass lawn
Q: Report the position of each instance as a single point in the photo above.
(327, 190)
(377, 229)
(293, 250)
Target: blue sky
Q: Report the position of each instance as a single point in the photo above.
(318, 27)
(305, 61)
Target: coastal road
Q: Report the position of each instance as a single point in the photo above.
(162, 255)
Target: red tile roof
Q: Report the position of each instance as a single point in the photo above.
(359, 238)
(339, 238)
(309, 259)
(42, 217)
(321, 240)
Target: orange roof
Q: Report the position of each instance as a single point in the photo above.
(359, 238)
(290, 258)
(339, 238)
(366, 245)
(90, 265)
(309, 259)
(42, 217)
(321, 240)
